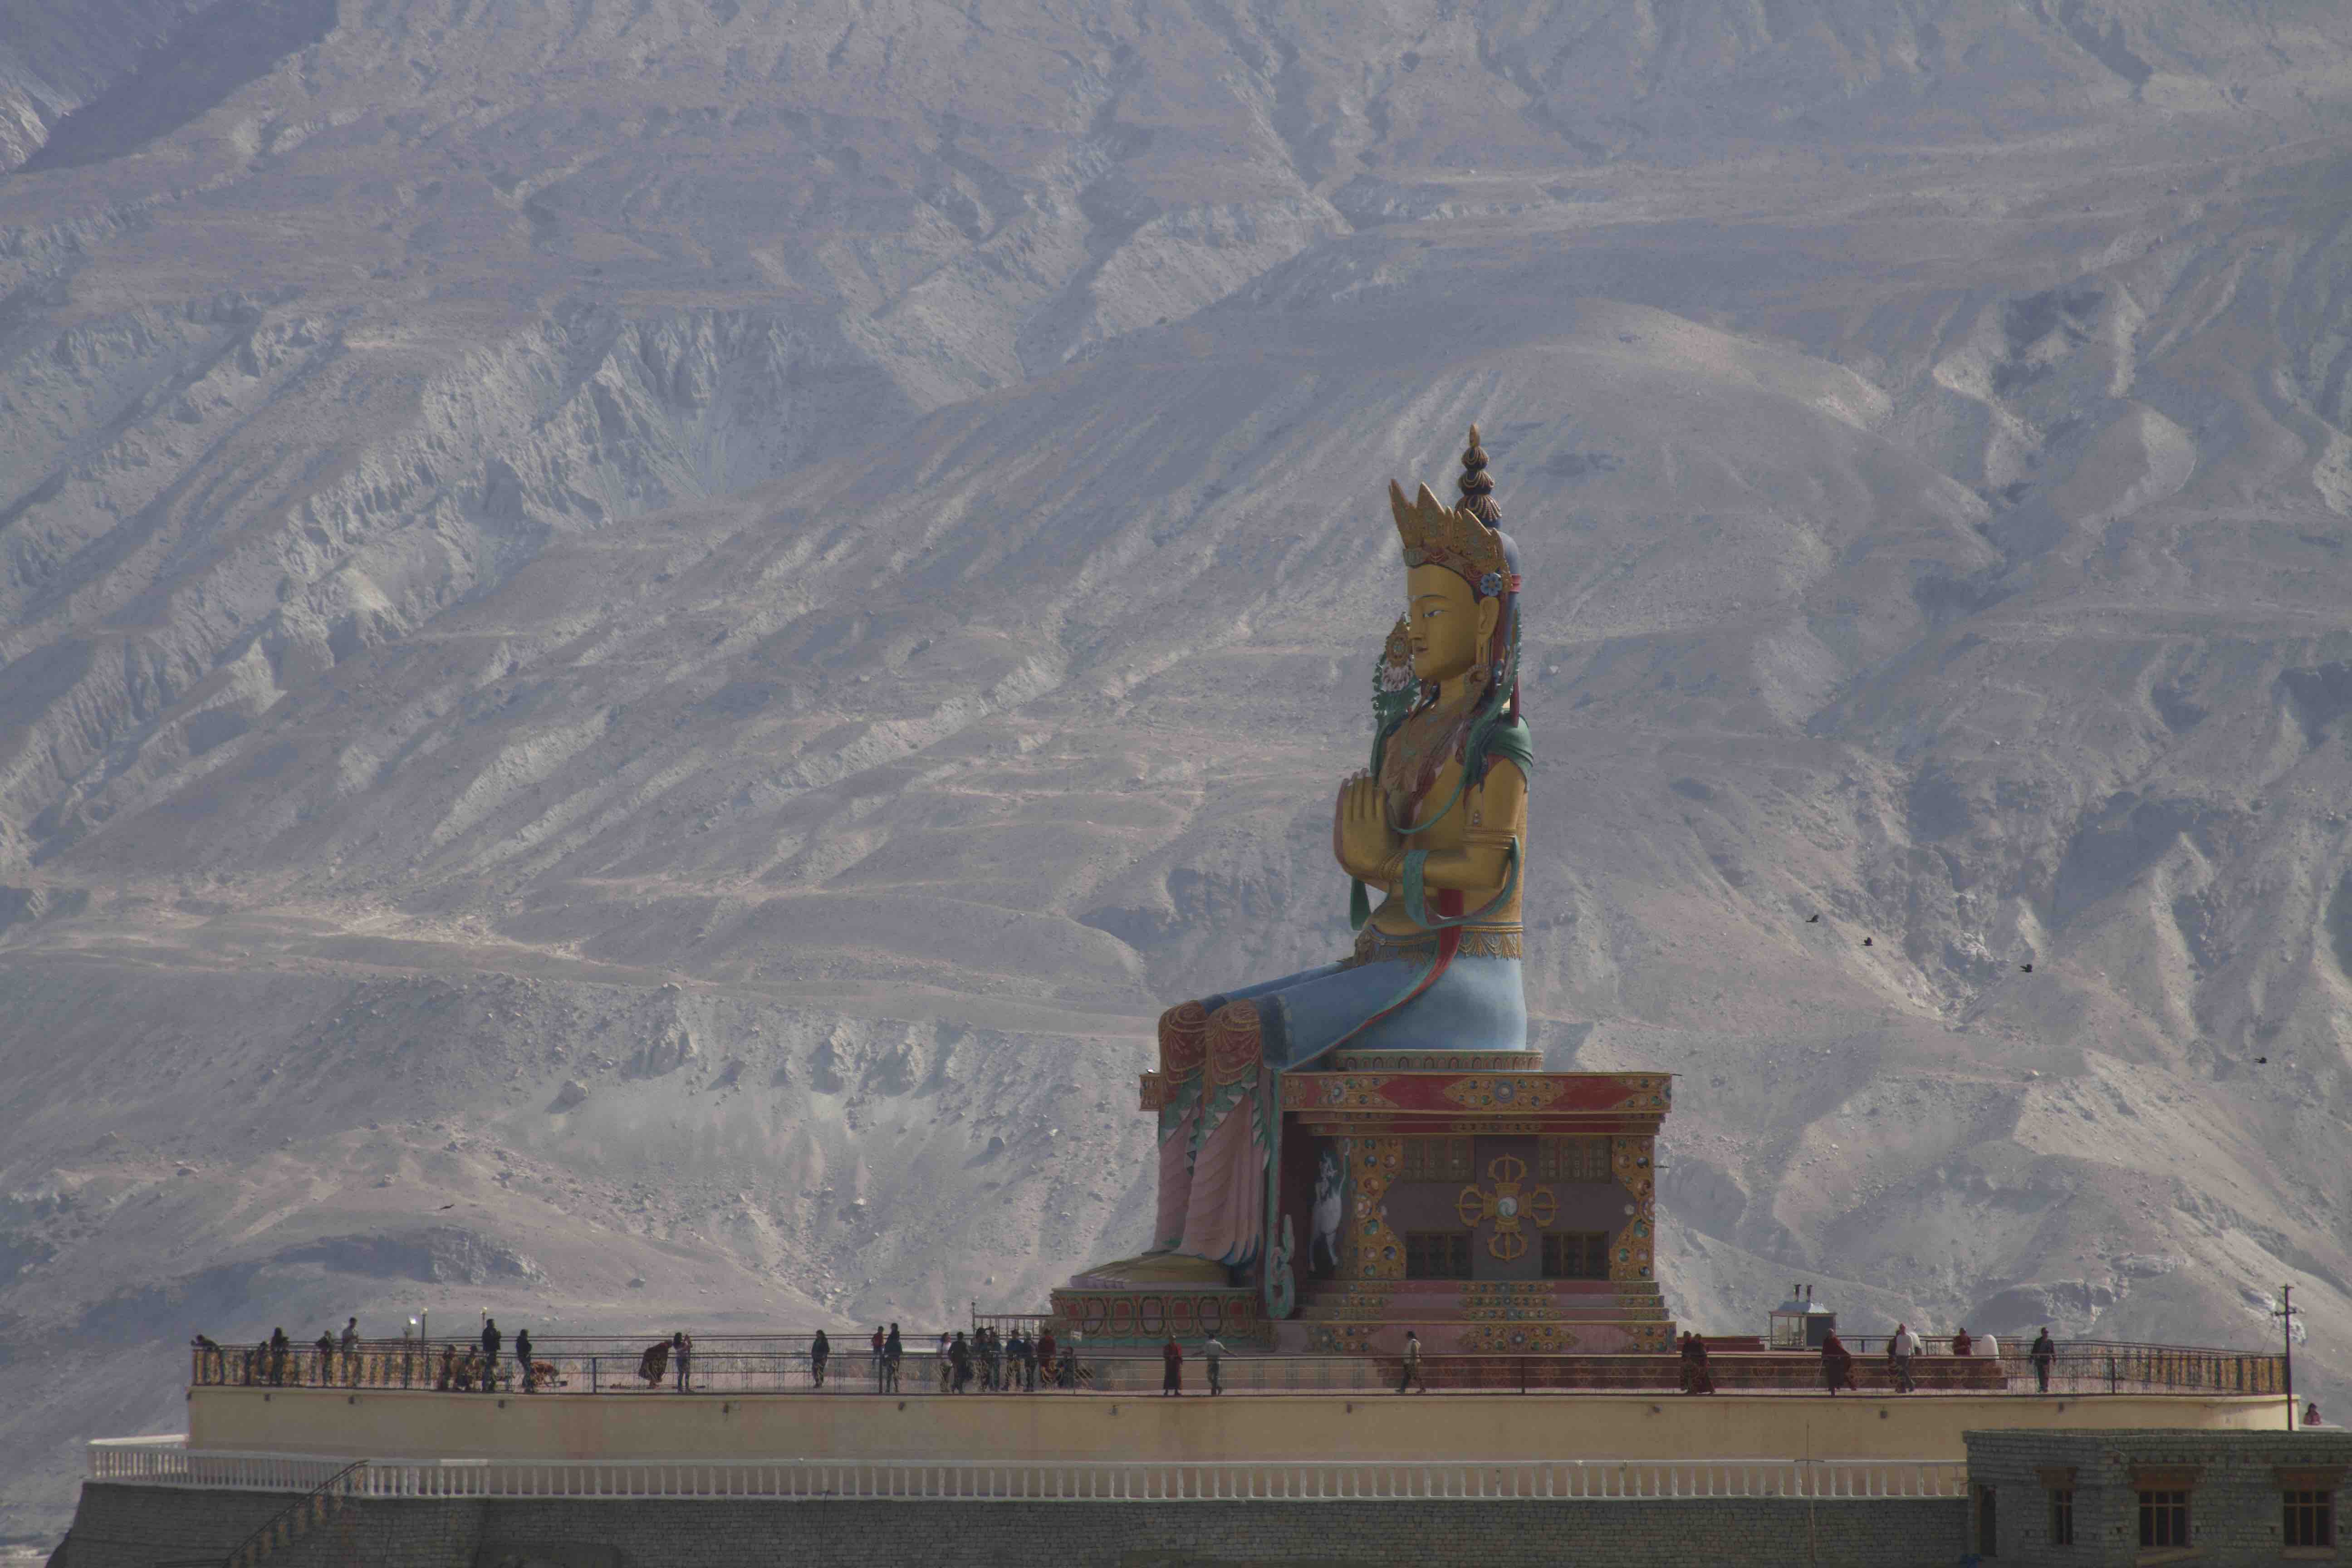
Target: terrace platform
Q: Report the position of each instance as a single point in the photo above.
(1145, 1428)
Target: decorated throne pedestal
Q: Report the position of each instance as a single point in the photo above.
(1489, 1206)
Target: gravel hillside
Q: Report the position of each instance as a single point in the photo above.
(638, 640)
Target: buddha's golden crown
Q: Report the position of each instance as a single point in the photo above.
(1463, 538)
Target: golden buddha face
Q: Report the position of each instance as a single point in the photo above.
(1451, 625)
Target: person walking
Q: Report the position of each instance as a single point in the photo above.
(959, 1359)
(1016, 1360)
(325, 1346)
(820, 1353)
(894, 1352)
(351, 1349)
(681, 1354)
(278, 1345)
(491, 1340)
(876, 1343)
(1213, 1352)
(1837, 1363)
(1171, 1367)
(1899, 1352)
(2043, 1351)
(1698, 1378)
(1411, 1372)
(1045, 1355)
(522, 1359)
(946, 1359)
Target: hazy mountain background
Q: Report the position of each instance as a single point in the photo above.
(640, 637)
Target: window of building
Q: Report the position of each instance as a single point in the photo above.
(1572, 1159)
(2310, 1519)
(1436, 1160)
(1437, 1254)
(1576, 1255)
(2058, 1495)
(2163, 1519)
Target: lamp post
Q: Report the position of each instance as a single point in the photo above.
(2286, 1314)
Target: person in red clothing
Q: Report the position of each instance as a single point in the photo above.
(1837, 1365)
(1962, 1344)
(1172, 1362)
(1045, 1356)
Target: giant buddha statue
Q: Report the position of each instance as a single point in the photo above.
(1436, 825)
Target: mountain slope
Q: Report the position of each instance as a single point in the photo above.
(639, 642)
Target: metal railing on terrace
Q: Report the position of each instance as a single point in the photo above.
(166, 1462)
(783, 1365)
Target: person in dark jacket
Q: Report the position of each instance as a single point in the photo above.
(2045, 1351)
(894, 1352)
(959, 1357)
(1171, 1365)
(278, 1345)
(522, 1359)
(820, 1353)
(681, 1351)
(1698, 1378)
(1837, 1365)
(491, 1340)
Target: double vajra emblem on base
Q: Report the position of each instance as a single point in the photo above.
(1505, 1207)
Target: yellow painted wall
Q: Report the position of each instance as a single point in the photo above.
(419, 1425)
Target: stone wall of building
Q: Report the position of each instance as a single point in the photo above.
(2235, 1502)
(136, 1526)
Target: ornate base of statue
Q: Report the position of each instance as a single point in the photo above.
(1487, 1206)
(1383, 1112)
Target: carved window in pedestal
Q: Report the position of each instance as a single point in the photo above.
(1576, 1255)
(1437, 1254)
(1573, 1160)
(1436, 1160)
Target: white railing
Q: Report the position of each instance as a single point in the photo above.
(167, 1462)
(164, 1458)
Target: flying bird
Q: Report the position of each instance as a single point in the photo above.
(1865, 941)
(2260, 1060)
(448, 1205)
(2027, 967)
(1813, 919)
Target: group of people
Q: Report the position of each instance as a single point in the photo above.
(996, 1362)
(1004, 1364)
(1903, 1348)
(1213, 1358)
(334, 1360)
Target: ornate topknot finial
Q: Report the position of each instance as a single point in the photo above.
(1477, 489)
(1463, 539)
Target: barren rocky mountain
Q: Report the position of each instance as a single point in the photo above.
(639, 640)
